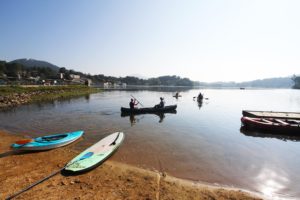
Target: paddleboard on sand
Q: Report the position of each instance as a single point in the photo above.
(47, 142)
(96, 154)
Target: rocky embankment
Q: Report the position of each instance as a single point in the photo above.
(15, 99)
(14, 96)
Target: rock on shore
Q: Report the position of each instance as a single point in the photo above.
(14, 99)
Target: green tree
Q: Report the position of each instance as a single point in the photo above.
(296, 80)
(13, 69)
(2, 67)
(62, 70)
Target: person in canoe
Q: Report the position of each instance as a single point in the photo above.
(132, 103)
(200, 97)
(177, 95)
(161, 103)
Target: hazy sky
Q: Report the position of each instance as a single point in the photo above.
(210, 40)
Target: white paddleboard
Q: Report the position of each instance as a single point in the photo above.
(96, 154)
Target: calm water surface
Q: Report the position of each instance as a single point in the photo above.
(199, 142)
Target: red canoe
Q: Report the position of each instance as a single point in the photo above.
(271, 124)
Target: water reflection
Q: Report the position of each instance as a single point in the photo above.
(157, 88)
(204, 144)
(87, 97)
(284, 137)
(133, 119)
(272, 183)
(200, 104)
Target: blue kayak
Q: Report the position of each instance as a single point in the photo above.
(47, 142)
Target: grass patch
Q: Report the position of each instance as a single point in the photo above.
(23, 89)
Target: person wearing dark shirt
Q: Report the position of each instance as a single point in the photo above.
(161, 103)
(132, 103)
(200, 97)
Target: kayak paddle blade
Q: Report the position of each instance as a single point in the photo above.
(24, 141)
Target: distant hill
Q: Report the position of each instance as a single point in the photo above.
(282, 82)
(35, 63)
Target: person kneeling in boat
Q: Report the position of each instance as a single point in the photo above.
(132, 103)
(161, 103)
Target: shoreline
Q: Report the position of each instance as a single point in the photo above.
(111, 180)
(13, 96)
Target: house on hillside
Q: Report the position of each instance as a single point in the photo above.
(61, 75)
(107, 84)
(74, 76)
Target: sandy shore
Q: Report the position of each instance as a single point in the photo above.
(111, 180)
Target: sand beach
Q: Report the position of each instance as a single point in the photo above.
(111, 180)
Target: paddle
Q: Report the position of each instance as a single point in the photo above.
(85, 156)
(204, 98)
(24, 141)
(137, 100)
(21, 143)
(114, 142)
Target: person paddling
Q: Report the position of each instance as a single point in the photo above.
(200, 97)
(132, 103)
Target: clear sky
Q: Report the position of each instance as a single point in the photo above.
(212, 40)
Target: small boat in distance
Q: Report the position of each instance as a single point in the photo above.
(177, 95)
(149, 110)
(272, 124)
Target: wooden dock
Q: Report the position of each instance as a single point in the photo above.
(272, 114)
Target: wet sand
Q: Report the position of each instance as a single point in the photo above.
(111, 180)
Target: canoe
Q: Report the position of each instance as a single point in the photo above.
(126, 114)
(149, 110)
(271, 114)
(272, 124)
(47, 142)
(96, 154)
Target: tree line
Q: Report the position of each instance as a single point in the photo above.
(296, 80)
(11, 70)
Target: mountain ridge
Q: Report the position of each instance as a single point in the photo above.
(35, 63)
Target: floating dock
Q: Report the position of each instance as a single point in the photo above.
(272, 114)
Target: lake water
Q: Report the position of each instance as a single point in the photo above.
(200, 142)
